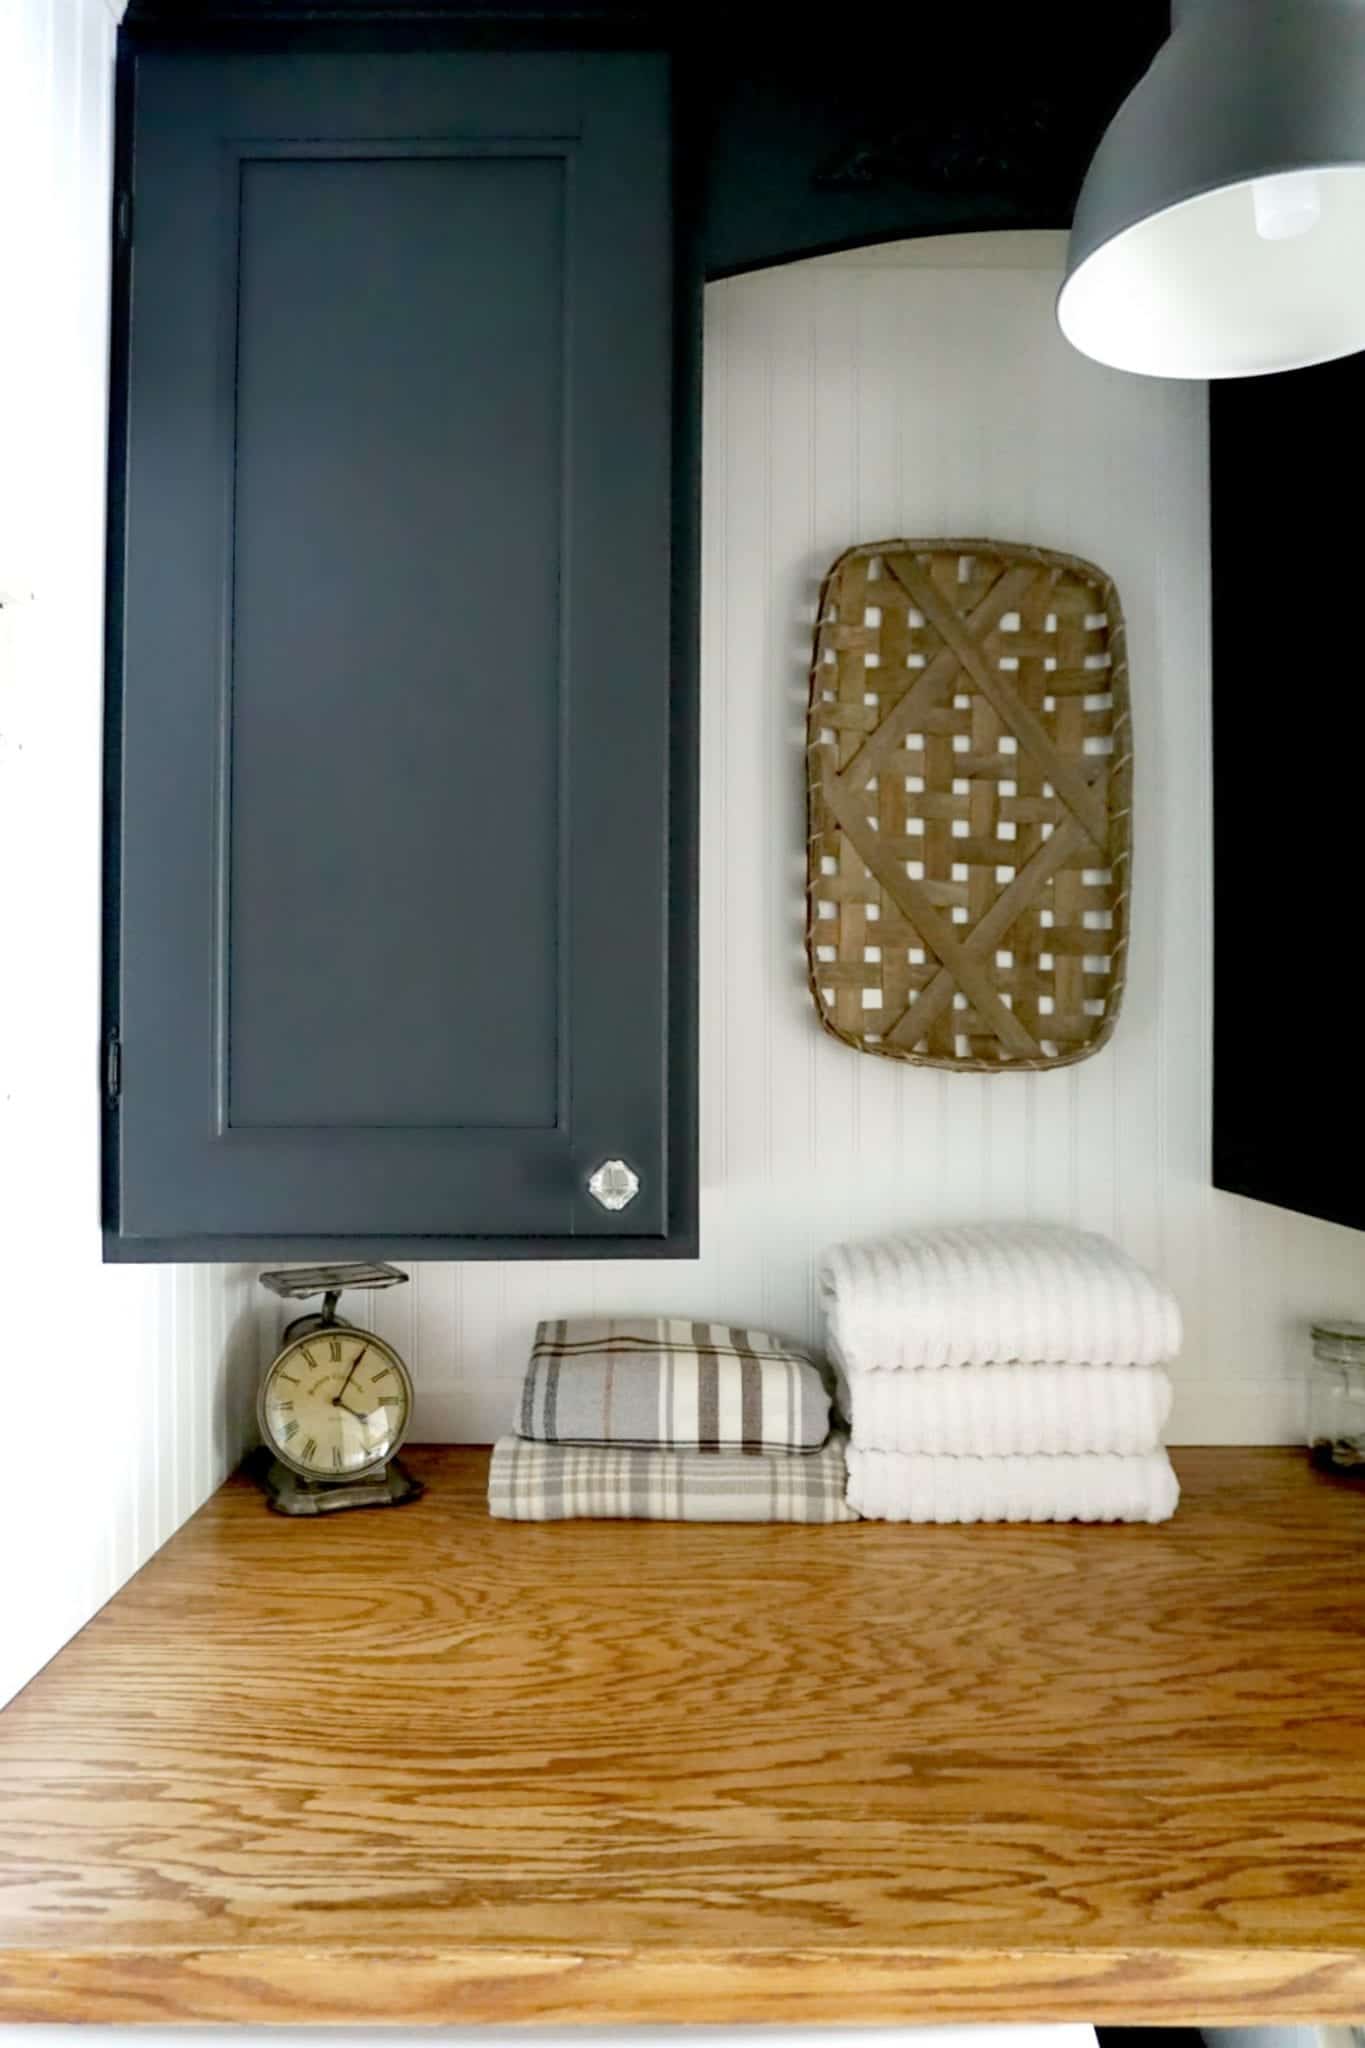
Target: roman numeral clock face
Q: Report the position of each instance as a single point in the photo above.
(335, 1404)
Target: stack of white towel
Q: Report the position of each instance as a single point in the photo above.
(1002, 1372)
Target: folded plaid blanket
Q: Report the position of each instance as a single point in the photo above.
(661, 1383)
(529, 1482)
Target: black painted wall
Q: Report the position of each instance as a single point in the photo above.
(1288, 742)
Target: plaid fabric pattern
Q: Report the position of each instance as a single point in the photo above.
(530, 1482)
(662, 1383)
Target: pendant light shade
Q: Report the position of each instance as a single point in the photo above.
(1221, 228)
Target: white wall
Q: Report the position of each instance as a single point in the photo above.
(924, 390)
(123, 1393)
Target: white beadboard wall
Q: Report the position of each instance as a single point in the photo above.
(126, 1393)
(924, 389)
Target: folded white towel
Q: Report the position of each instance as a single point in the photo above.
(991, 1293)
(1005, 1411)
(893, 1486)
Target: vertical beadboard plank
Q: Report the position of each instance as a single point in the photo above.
(746, 737)
(793, 576)
(834, 514)
(764, 995)
(1161, 818)
(797, 570)
(1019, 1188)
(1202, 1259)
(1083, 469)
(206, 1381)
(876, 459)
(393, 1312)
(436, 1342)
(1024, 432)
(1135, 1055)
(715, 670)
(186, 1367)
(224, 1419)
(925, 460)
(147, 1377)
(249, 1322)
(965, 460)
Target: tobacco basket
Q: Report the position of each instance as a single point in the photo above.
(969, 805)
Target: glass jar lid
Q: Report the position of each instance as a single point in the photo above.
(1351, 1336)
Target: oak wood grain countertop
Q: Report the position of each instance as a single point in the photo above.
(419, 1766)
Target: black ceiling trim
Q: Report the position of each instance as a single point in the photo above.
(208, 18)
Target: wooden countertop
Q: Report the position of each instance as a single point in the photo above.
(419, 1766)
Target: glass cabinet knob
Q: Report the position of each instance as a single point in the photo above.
(614, 1184)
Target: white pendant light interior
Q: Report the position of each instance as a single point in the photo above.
(1229, 284)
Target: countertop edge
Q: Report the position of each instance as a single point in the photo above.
(485, 1984)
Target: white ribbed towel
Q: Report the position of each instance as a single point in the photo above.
(892, 1486)
(1004, 1411)
(989, 1293)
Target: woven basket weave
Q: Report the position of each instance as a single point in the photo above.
(969, 805)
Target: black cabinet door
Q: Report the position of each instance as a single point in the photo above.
(1288, 735)
(399, 850)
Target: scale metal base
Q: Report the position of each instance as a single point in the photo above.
(390, 1487)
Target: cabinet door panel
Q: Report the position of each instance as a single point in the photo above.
(393, 684)
(394, 908)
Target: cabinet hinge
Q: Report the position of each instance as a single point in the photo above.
(123, 217)
(113, 1068)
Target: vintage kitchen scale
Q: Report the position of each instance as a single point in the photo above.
(335, 1405)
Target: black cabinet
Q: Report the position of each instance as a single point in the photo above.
(400, 857)
(1289, 727)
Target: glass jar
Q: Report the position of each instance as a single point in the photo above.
(1336, 1398)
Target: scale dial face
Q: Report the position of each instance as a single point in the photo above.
(335, 1404)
